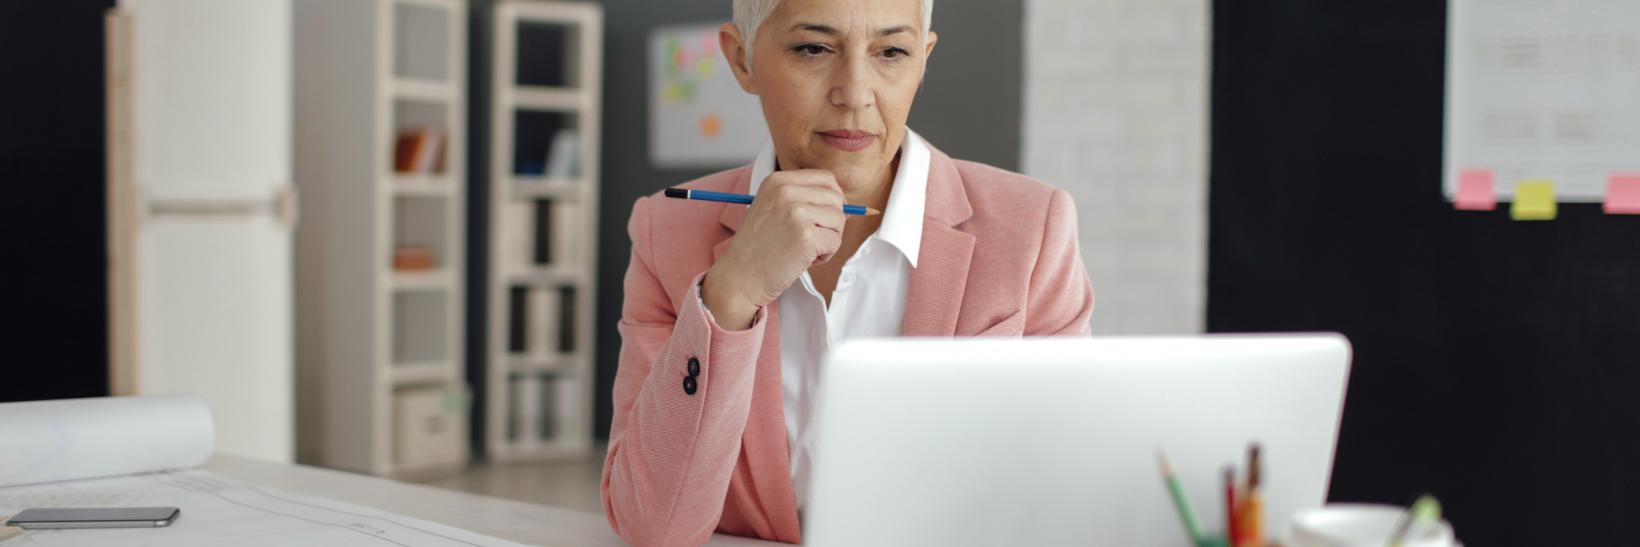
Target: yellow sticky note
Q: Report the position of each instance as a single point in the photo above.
(1534, 200)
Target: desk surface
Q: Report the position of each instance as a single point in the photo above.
(506, 519)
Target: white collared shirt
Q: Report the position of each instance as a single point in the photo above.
(869, 300)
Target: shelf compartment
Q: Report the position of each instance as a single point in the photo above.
(421, 221)
(548, 54)
(542, 406)
(429, 428)
(546, 143)
(421, 41)
(541, 320)
(421, 327)
(544, 233)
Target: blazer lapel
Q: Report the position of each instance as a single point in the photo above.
(934, 291)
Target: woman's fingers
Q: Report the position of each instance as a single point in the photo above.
(814, 177)
(829, 217)
(806, 186)
(808, 194)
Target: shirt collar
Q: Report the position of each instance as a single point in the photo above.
(903, 216)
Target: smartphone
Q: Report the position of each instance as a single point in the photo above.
(95, 517)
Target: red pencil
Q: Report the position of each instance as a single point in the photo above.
(1230, 505)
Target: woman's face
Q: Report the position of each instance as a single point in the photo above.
(836, 79)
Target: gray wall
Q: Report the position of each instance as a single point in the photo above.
(969, 108)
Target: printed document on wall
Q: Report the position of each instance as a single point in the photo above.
(1545, 90)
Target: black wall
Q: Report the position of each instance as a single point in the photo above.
(1496, 361)
(969, 107)
(55, 331)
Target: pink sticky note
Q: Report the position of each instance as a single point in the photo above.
(1475, 191)
(1623, 194)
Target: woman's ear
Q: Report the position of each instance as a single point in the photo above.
(928, 49)
(734, 52)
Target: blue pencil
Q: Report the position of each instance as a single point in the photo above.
(725, 197)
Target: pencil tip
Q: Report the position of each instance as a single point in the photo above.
(872, 211)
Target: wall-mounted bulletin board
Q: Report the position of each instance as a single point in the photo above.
(1497, 362)
(698, 115)
(1543, 105)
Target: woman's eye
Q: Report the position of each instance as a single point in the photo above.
(895, 52)
(810, 50)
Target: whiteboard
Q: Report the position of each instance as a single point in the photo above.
(1543, 90)
(698, 115)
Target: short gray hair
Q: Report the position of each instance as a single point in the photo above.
(749, 14)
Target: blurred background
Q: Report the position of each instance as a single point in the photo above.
(388, 236)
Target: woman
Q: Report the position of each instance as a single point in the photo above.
(729, 309)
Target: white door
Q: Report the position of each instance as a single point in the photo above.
(205, 181)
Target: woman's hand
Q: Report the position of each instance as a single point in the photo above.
(795, 223)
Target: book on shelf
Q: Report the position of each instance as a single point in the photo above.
(567, 304)
(419, 150)
(544, 233)
(518, 235)
(547, 421)
(517, 319)
(565, 247)
(564, 155)
(561, 159)
(568, 401)
(541, 320)
(527, 408)
(414, 258)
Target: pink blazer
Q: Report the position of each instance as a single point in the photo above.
(698, 441)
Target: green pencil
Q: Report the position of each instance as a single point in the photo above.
(1186, 514)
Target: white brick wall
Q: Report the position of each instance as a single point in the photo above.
(1116, 114)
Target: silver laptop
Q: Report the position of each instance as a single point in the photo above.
(1054, 441)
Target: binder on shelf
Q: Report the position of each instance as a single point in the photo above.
(547, 422)
(419, 150)
(414, 258)
(543, 231)
(563, 155)
(517, 320)
(528, 408)
(566, 319)
(542, 322)
(518, 233)
(568, 401)
(565, 247)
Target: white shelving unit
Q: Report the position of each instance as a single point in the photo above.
(381, 388)
(547, 66)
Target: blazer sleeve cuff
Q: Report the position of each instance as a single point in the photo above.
(720, 356)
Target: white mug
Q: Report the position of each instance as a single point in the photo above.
(1362, 525)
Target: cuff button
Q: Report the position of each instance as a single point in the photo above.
(689, 385)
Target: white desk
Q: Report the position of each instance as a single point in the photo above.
(505, 519)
